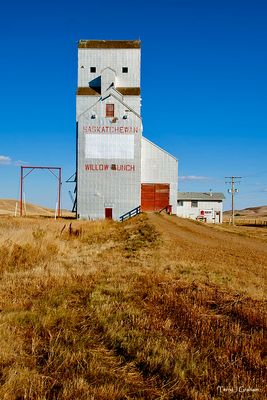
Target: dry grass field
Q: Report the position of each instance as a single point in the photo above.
(154, 308)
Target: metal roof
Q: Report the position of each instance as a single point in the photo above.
(125, 91)
(88, 91)
(109, 44)
(207, 196)
(129, 91)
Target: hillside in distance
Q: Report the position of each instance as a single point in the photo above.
(250, 212)
(9, 206)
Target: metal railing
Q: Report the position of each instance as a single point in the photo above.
(167, 208)
(135, 211)
(163, 209)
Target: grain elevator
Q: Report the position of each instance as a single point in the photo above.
(118, 170)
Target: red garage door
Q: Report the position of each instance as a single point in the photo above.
(154, 196)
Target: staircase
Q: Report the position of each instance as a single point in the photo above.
(130, 214)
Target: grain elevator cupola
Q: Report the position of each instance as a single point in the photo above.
(117, 169)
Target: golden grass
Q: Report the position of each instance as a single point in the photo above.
(10, 206)
(154, 308)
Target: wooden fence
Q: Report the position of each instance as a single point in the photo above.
(251, 222)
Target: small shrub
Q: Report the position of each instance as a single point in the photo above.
(38, 234)
(140, 236)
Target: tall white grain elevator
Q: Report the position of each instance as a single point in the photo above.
(117, 169)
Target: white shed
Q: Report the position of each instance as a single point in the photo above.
(207, 207)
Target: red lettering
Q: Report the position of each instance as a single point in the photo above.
(109, 129)
(96, 167)
(129, 167)
(122, 167)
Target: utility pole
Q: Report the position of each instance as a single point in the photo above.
(233, 190)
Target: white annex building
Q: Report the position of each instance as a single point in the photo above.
(206, 207)
(118, 170)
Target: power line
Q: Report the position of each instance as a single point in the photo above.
(233, 190)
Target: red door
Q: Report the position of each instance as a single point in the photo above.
(108, 213)
(154, 196)
(147, 197)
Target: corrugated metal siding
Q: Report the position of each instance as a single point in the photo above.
(159, 166)
(114, 59)
(102, 180)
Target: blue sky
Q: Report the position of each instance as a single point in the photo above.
(203, 83)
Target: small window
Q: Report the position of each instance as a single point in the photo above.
(124, 70)
(93, 69)
(109, 110)
(194, 203)
(180, 203)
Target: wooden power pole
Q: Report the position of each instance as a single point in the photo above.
(233, 190)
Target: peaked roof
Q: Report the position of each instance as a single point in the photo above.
(111, 92)
(207, 196)
(159, 148)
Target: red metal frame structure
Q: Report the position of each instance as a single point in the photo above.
(50, 169)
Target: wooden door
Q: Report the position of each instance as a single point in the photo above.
(154, 196)
(108, 213)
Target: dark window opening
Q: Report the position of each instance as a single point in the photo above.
(93, 69)
(194, 203)
(180, 203)
(109, 110)
(124, 70)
